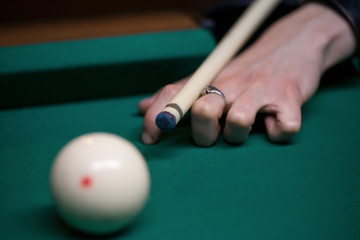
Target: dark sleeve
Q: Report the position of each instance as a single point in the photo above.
(349, 10)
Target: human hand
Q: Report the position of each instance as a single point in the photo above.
(275, 76)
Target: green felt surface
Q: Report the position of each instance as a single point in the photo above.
(96, 68)
(307, 189)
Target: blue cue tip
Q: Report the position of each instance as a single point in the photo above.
(165, 121)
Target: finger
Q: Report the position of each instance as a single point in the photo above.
(145, 103)
(205, 115)
(150, 132)
(285, 123)
(241, 117)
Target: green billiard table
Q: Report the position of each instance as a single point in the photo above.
(51, 93)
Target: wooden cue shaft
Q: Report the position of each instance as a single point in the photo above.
(230, 44)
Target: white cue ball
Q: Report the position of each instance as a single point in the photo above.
(99, 182)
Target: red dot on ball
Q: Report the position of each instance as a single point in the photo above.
(86, 182)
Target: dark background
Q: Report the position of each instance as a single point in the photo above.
(36, 10)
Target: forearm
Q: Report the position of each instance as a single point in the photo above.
(323, 35)
(349, 10)
(333, 34)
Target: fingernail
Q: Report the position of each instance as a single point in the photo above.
(146, 138)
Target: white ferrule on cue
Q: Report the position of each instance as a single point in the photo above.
(230, 44)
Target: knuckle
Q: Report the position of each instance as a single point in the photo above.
(291, 127)
(239, 118)
(202, 109)
(170, 89)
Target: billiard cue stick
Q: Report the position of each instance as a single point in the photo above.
(226, 49)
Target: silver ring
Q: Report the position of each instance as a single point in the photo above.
(211, 89)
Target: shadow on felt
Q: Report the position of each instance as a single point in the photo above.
(47, 223)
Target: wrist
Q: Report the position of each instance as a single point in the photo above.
(327, 34)
(348, 10)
